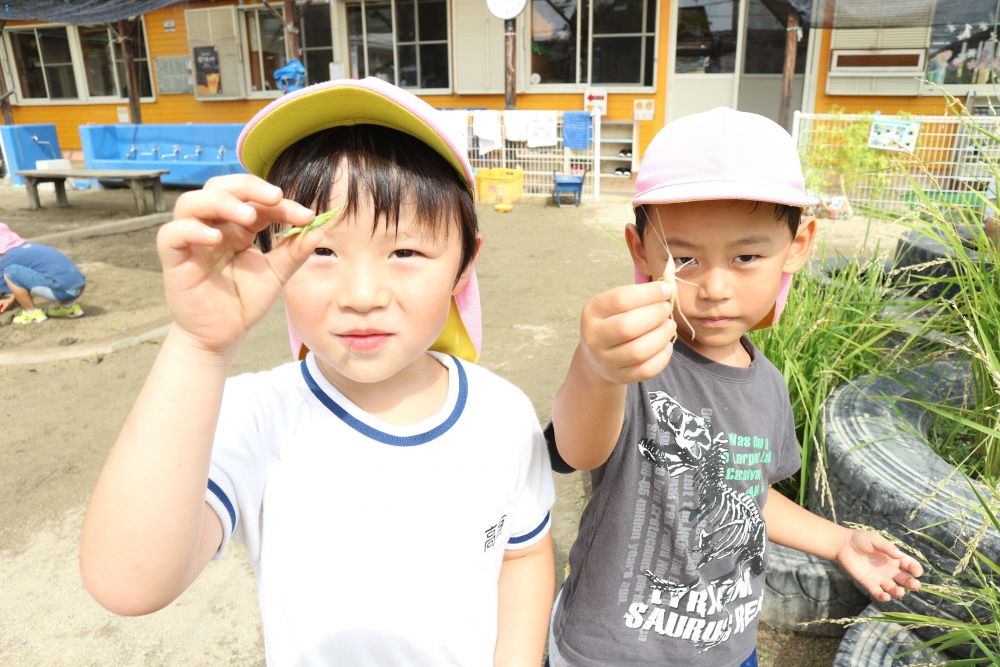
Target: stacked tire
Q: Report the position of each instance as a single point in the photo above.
(883, 474)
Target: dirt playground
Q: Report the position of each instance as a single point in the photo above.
(66, 386)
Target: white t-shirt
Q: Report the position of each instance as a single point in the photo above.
(375, 544)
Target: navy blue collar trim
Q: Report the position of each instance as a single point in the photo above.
(382, 436)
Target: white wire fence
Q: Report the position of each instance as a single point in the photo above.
(951, 159)
(499, 147)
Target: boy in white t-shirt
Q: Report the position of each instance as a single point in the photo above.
(394, 498)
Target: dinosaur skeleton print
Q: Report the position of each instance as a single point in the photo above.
(718, 593)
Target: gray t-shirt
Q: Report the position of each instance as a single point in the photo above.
(668, 566)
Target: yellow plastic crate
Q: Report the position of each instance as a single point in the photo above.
(499, 186)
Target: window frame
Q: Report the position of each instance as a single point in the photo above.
(79, 69)
(525, 36)
(243, 11)
(332, 49)
(447, 90)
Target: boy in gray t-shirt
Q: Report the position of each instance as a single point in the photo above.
(668, 567)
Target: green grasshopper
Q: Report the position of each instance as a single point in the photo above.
(318, 221)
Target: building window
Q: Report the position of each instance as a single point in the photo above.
(706, 36)
(104, 62)
(265, 35)
(316, 40)
(605, 42)
(403, 42)
(766, 39)
(422, 43)
(46, 62)
(964, 39)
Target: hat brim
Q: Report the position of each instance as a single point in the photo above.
(719, 190)
(313, 109)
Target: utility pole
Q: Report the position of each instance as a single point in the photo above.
(791, 48)
(292, 30)
(126, 37)
(8, 113)
(508, 89)
(507, 11)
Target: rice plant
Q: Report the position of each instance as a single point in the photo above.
(834, 329)
(974, 588)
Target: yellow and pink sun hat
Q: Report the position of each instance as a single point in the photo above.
(369, 101)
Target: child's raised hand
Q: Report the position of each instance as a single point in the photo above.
(878, 565)
(627, 332)
(218, 284)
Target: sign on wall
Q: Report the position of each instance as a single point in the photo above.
(894, 134)
(642, 110)
(173, 75)
(208, 79)
(596, 100)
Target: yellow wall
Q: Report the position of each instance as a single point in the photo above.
(886, 104)
(184, 108)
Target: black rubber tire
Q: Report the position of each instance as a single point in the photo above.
(881, 472)
(914, 251)
(801, 588)
(879, 645)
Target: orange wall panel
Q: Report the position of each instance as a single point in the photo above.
(886, 104)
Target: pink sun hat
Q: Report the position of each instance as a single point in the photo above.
(724, 154)
(368, 101)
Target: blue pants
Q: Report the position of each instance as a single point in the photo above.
(38, 285)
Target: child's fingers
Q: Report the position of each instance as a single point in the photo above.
(642, 357)
(176, 238)
(251, 203)
(893, 589)
(633, 324)
(906, 580)
(629, 297)
(911, 565)
(289, 254)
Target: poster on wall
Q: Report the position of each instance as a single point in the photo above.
(894, 134)
(174, 75)
(206, 69)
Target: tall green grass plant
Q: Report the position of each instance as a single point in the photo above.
(969, 314)
(973, 587)
(834, 329)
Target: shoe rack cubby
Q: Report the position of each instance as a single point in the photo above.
(617, 148)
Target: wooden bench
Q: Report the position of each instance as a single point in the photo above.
(137, 180)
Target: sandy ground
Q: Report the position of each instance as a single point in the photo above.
(539, 266)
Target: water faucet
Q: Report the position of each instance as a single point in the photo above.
(221, 153)
(132, 150)
(173, 154)
(41, 142)
(155, 152)
(196, 155)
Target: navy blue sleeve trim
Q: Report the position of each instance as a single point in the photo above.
(224, 499)
(524, 538)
